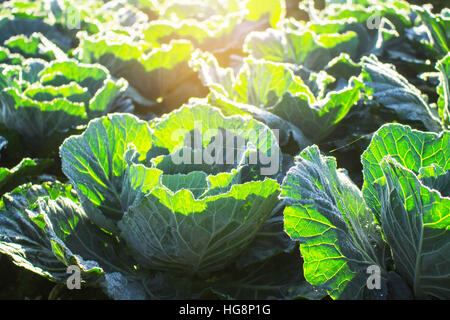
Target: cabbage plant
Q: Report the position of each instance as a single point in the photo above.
(274, 93)
(160, 75)
(41, 100)
(131, 181)
(390, 241)
(311, 45)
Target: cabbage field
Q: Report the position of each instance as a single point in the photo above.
(224, 149)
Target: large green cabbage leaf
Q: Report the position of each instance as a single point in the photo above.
(410, 148)
(393, 91)
(438, 28)
(338, 236)
(415, 221)
(406, 184)
(444, 90)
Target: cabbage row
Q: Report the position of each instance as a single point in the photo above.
(258, 149)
